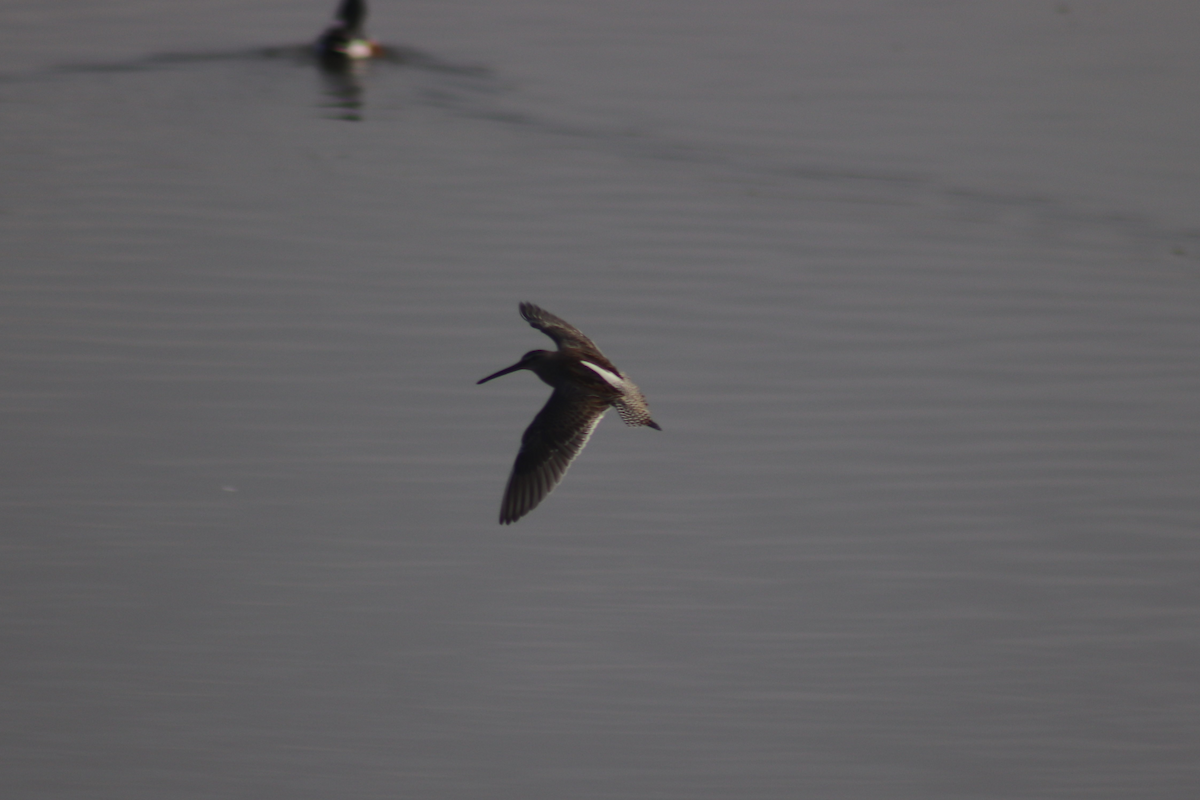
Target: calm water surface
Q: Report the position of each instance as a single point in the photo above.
(912, 288)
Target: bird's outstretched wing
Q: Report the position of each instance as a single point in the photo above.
(548, 446)
(562, 332)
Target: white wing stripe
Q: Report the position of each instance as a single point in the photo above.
(615, 381)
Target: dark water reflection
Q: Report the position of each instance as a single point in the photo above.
(923, 520)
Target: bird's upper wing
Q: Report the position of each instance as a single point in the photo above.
(549, 445)
(562, 332)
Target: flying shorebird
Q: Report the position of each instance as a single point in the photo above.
(586, 384)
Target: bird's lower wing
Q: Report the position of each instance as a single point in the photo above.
(549, 445)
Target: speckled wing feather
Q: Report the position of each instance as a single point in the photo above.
(633, 409)
(562, 332)
(549, 445)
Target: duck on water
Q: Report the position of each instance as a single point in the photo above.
(346, 38)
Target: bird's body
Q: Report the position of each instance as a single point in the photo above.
(586, 384)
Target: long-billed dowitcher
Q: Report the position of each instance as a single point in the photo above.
(586, 384)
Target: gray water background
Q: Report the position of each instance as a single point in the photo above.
(912, 287)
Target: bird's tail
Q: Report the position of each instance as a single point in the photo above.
(635, 413)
